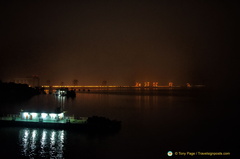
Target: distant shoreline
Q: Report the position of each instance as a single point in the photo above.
(149, 91)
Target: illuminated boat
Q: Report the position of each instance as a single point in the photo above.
(61, 92)
(65, 92)
(58, 120)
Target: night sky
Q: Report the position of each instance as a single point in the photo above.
(119, 41)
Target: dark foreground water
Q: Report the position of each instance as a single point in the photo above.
(151, 126)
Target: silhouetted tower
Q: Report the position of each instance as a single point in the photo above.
(104, 83)
(75, 82)
(61, 84)
(35, 82)
(48, 82)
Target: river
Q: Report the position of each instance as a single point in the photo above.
(152, 125)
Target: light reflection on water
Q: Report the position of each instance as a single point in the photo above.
(150, 125)
(42, 143)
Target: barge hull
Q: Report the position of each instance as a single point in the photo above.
(42, 125)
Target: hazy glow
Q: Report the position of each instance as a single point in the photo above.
(144, 42)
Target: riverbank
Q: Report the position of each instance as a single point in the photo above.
(16, 92)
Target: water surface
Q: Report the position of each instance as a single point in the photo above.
(151, 126)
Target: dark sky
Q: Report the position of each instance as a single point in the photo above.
(118, 41)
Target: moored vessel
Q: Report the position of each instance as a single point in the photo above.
(58, 120)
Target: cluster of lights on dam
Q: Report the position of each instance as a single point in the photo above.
(137, 85)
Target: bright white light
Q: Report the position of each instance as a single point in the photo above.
(52, 138)
(26, 132)
(43, 140)
(62, 136)
(44, 134)
(53, 134)
(53, 115)
(25, 141)
(34, 134)
(44, 115)
(60, 115)
(34, 115)
(25, 114)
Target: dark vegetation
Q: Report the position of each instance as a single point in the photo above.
(16, 92)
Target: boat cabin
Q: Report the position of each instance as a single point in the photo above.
(43, 116)
(61, 91)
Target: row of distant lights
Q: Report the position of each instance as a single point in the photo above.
(88, 86)
(43, 115)
(45, 86)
